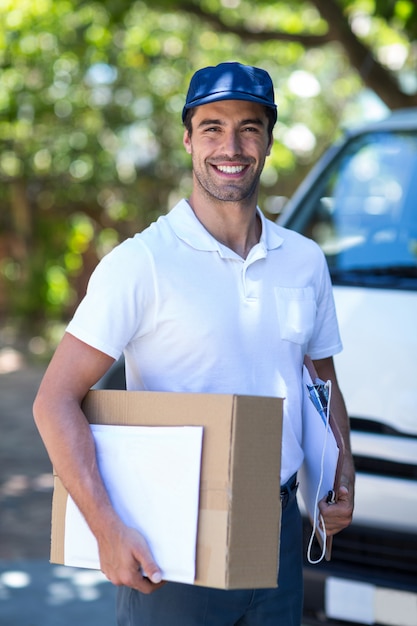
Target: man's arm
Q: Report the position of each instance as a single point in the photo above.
(74, 369)
(338, 516)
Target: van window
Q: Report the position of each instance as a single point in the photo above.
(363, 209)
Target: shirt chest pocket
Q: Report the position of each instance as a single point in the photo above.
(296, 308)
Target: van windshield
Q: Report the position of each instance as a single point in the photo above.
(363, 211)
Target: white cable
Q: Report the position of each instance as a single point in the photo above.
(316, 503)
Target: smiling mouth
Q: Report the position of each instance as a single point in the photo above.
(230, 169)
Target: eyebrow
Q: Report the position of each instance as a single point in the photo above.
(218, 122)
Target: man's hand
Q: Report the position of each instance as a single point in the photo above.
(337, 516)
(126, 559)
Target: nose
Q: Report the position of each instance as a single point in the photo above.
(231, 143)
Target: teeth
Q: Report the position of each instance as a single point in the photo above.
(231, 169)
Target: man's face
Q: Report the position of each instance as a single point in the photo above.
(228, 145)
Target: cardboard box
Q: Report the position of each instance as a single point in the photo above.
(239, 506)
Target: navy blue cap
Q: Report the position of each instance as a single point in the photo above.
(230, 81)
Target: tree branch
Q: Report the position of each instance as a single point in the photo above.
(374, 75)
(305, 39)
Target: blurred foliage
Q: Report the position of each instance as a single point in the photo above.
(90, 102)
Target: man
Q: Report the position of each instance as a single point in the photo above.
(211, 298)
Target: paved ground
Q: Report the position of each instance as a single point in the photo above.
(32, 591)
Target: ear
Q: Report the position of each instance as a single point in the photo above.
(187, 141)
(269, 148)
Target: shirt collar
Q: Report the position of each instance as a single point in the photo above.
(187, 227)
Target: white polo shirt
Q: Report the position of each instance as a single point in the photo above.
(193, 316)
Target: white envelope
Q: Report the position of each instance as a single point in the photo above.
(152, 475)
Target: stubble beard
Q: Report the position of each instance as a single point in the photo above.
(228, 191)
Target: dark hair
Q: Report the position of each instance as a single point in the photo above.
(270, 114)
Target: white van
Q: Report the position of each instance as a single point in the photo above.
(360, 204)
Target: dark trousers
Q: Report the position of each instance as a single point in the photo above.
(177, 604)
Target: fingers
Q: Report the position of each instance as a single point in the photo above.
(149, 569)
(337, 516)
(144, 584)
(130, 574)
(128, 561)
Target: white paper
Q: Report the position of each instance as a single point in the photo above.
(315, 440)
(153, 477)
